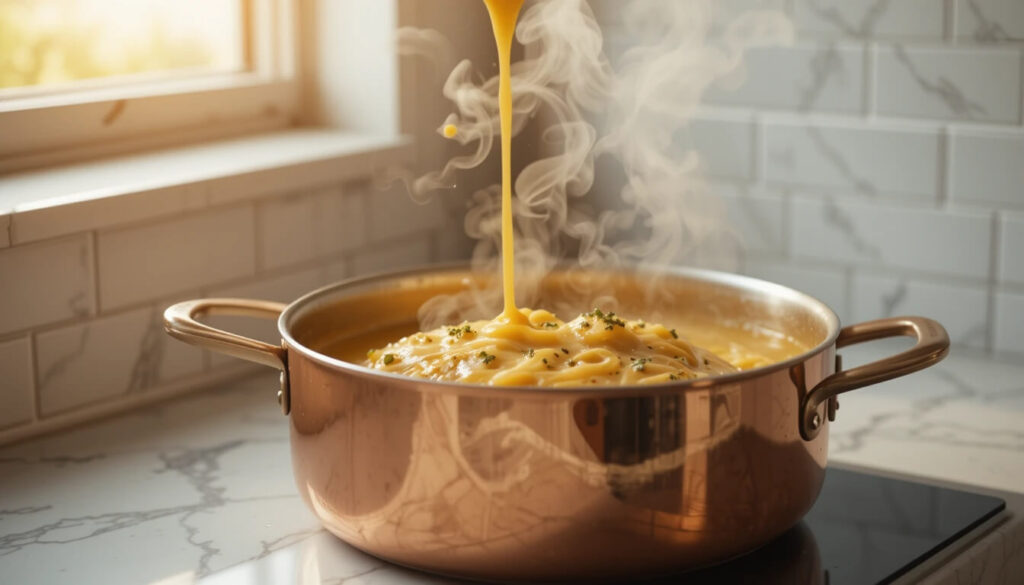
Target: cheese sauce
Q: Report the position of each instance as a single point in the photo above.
(523, 347)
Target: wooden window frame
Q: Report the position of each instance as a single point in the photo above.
(41, 127)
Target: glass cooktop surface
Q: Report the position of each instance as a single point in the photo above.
(863, 530)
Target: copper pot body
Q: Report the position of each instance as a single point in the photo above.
(532, 484)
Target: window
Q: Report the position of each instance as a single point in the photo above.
(53, 44)
(81, 78)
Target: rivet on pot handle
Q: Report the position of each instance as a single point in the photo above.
(932, 345)
(181, 322)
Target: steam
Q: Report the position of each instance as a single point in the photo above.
(626, 122)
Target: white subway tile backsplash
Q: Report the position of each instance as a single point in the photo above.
(282, 288)
(16, 395)
(828, 285)
(950, 84)
(149, 262)
(394, 214)
(954, 243)
(612, 12)
(990, 20)
(297, 229)
(962, 310)
(872, 160)
(759, 220)
(391, 256)
(1009, 322)
(987, 167)
(1011, 249)
(871, 18)
(108, 357)
(820, 77)
(5, 230)
(46, 282)
(725, 145)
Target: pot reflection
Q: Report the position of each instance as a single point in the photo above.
(792, 558)
(556, 487)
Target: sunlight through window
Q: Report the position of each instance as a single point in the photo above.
(61, 43)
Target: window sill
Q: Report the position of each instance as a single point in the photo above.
(63, 200)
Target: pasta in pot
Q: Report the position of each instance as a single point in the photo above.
(523, 347)
(596, 348)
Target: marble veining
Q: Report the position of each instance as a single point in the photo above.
(938, 422)
(986, 29)
(862, 29)
(945, 90)
(60, 365)
(145, 371)
(824, 65)
(845, 226)
(200, 490)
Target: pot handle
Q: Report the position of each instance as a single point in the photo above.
(932, 345)
(181, 322)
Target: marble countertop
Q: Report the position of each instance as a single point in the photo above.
(200, 489)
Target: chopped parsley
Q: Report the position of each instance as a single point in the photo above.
(488, 358)
(609, 319)
(388, 358)
(458, 332)
(639, 364)
(565, 351)
(674, 334)
(529, 352)
(551, 324)
(673, 377)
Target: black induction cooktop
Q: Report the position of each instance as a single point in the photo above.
(863, 530)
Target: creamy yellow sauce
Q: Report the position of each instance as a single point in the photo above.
(595, 348)
(523, 347)
(504, 15)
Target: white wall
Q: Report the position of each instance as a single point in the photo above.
(81, 331)
(878, 162)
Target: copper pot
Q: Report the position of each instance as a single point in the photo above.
(539, 484)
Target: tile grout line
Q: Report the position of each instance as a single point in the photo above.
(37, 398)
(94, 244)
(945, 170)
(259, 237)
(870, 81)
(991, 317)
(949, 22)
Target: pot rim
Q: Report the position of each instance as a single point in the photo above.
(746, 283)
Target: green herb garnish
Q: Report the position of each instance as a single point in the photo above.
(488, 358)
(458, 332)
(388, 358)
(609, 319)
(674, 334)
